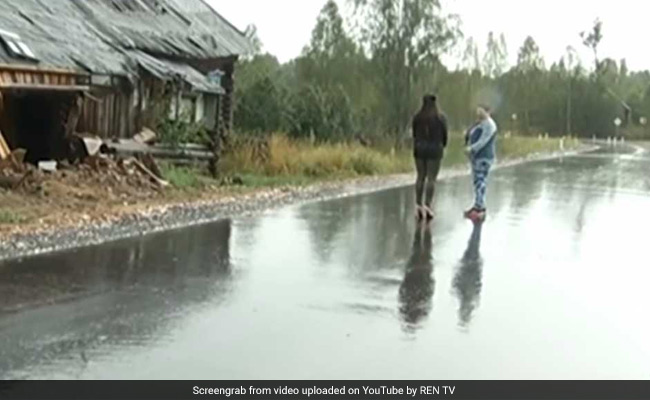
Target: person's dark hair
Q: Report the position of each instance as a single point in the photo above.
(430, 101)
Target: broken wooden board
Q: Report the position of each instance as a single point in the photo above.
(14, 162)
(92, 144)
(128, 147)
(5, 151)
(148, 161)
(18, 156)
(146, 136)
(161, 183)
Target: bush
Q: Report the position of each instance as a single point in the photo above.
(175, 132)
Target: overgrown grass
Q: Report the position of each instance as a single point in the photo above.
(292, 161)
(182, 177)
(10, 217)
(286, 157)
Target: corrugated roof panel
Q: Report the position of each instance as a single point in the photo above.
(184, 23)
(168, 70)
(58, 34)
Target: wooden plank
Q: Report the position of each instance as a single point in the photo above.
(5, 151)
(56, 88)
(31, 68)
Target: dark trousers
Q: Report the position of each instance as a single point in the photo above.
(427, 173)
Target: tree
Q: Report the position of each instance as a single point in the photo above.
(571, 63)
(470, 57)
(260, 95)
(528, 77)
(329, 36)
(592, 40)
(495, 60)
(332, 67)
(624, 70)
(405, 39)
(529, 58)
(253, 37)
(369, 81)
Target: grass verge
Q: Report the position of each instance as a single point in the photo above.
(291, 162)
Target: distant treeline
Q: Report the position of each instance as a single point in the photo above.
(367, 82)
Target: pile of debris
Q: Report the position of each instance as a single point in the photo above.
(101, 167)
(131, 175)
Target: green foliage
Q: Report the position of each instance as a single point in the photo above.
(178, 131)
(10, 217)
(364, 76)
(182, 177)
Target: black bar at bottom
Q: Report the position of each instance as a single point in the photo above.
(458, 390)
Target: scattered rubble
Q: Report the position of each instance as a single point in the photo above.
(124, 170)
(102, 174)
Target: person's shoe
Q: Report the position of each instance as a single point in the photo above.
(477, 216)
(428, 212)
(419, 213)
(469, 212)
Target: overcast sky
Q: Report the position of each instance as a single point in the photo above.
(285, 25)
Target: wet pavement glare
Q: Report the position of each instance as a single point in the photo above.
(553, 286)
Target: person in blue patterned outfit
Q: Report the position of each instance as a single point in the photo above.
(481, 149)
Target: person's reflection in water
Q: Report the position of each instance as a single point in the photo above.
(467, 281)
(416, 290)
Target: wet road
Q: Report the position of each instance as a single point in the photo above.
(554, 286)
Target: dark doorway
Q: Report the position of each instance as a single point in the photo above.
(34, 121)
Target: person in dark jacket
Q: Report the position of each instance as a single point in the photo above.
(430, 137)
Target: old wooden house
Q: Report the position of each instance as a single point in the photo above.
(112, 67)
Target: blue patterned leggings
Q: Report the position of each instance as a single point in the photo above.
(480, 173)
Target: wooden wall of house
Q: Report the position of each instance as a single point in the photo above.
(120, 112)
(108, 114)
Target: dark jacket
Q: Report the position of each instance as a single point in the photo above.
(430, 134)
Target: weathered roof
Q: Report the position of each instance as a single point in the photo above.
(166, 70)
(59, 35)
(97, 35)
(172, 28)
(231, 40)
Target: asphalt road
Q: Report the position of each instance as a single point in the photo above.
(553, 286)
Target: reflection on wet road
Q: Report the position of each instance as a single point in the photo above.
(554, 285)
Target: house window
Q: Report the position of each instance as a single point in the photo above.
(16, 46)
